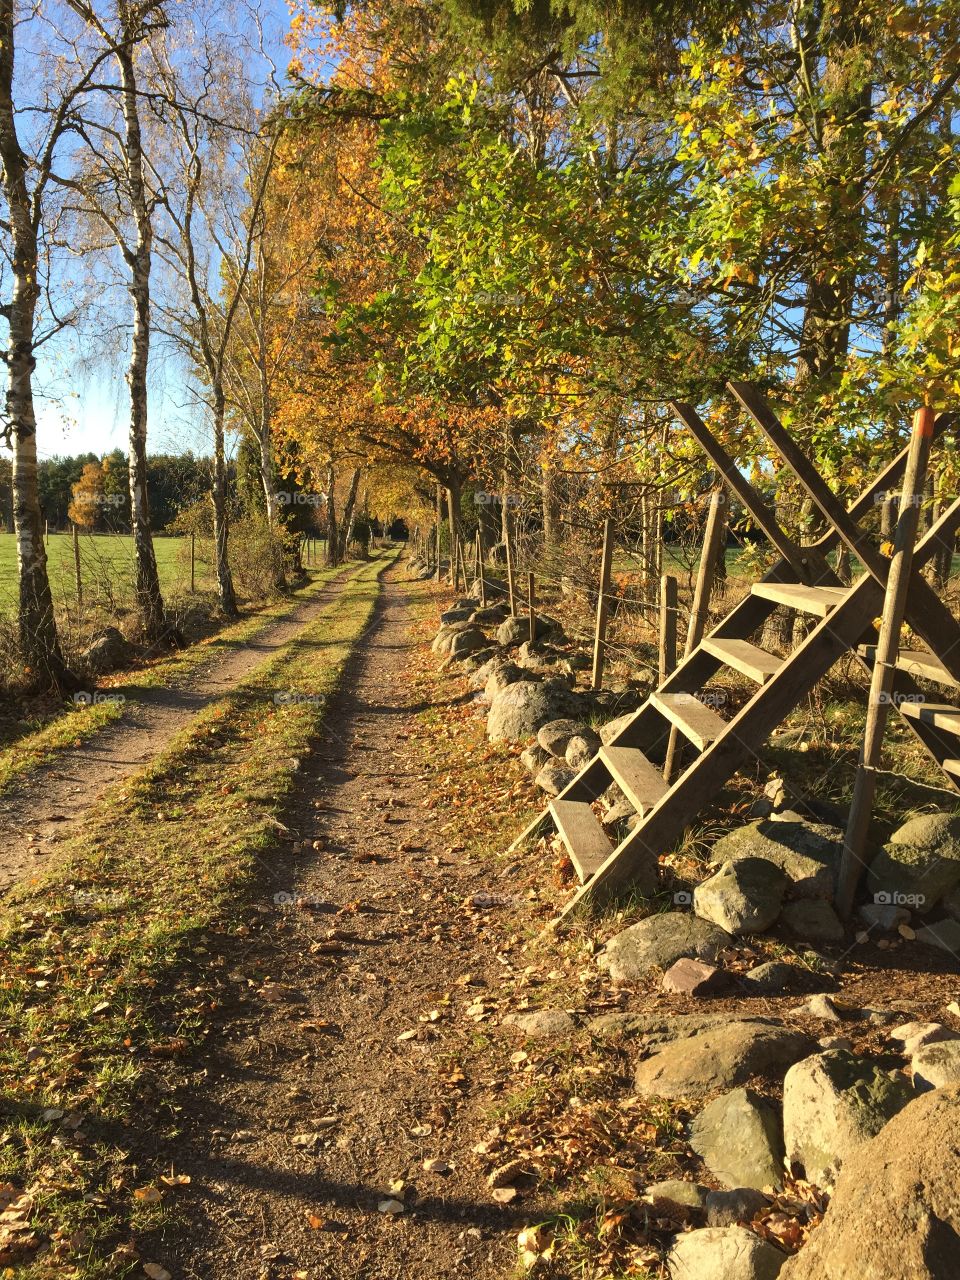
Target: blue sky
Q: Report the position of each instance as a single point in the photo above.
(81, 412)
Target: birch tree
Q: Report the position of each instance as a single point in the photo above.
(123, 197)
(215, 205)
(30, 233)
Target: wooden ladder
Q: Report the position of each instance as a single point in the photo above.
(801, 580)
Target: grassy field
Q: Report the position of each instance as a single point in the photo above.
(106, 569)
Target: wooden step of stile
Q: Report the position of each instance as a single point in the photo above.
(917, 663)
(693, 718)
(585, 839)
(814, 600)
(639, 780)
(751, 661)
(938, 714)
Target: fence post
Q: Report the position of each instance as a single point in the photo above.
(510, 583)
(76, 566)
(193, 563)
(483, 585)
(706, 574)
(600, 634)
(531, 602)
(885, 659)
(668, 625)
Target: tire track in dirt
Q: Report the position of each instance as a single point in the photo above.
(47, 804)
(328, 1080)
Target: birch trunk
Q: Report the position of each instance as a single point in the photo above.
(39, 640)
(346, 522)
(332, 543)
(221, 514)
(149, 598)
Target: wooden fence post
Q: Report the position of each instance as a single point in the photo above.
(480, 571)
(531, 603)
(885, 659)
(193, 563)
(600, 633)
(668, 625)
(510, 582)
(706, 575)
(76, 566)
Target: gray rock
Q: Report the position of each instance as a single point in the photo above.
(517, 712)
(658, 942)
(467, 642)
(812, 919)
(456, 615)
(474, 661)
(720, 1058)
(770, 977)
(883, 915)
(612, 728)
(676, 1192)
(945, 935)
(723, 1253)
(912, 1036)
(555, 736)
(542, 1024)
(743, 896)
(620, 811)
(534, 757)
(807, 852)
(951, 902)
(483, 673)
(920, 862)
(581, 749)
(833, 1103)
(489, 615)
(492, 586)
(516, 630)
(108, 651)
(742, 1204)
(444, 637)
(738, 1138)
(541, 658)
(658, 1029)
(554, 777)
(936, 1066)
(502, 674)
(895, 1213)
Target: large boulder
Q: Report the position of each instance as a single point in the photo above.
(554, 777)
(517, 712)
(895, 1212)
(738, 1138)
(456, 615)
(937, 1065)
(720, 1058)
(723, 1253)
(108, 651)
(502, 674)
(553, 737)
(658, 942)
(582, 748)
(490, 615)
(534, 757)
(743, 896)
(466, 642)
(833, 1103)
(944, 935)
(813, 920)
(919, 863)
(445, 636)
(515, 629)
(807, 852)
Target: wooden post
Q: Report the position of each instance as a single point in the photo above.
(668, 625)
(600, 633)
(884, 666)
(193, 563)
(483, 584)
(439, 535)
(706, 574)
(532, 608)
(510, 583)
(76, 566)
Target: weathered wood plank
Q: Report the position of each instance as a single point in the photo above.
(639, 780)
(579, 827)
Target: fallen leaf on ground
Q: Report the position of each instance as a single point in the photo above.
(436, 1166)
(155, 1271)
(392, 1207)
(147, 1195)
